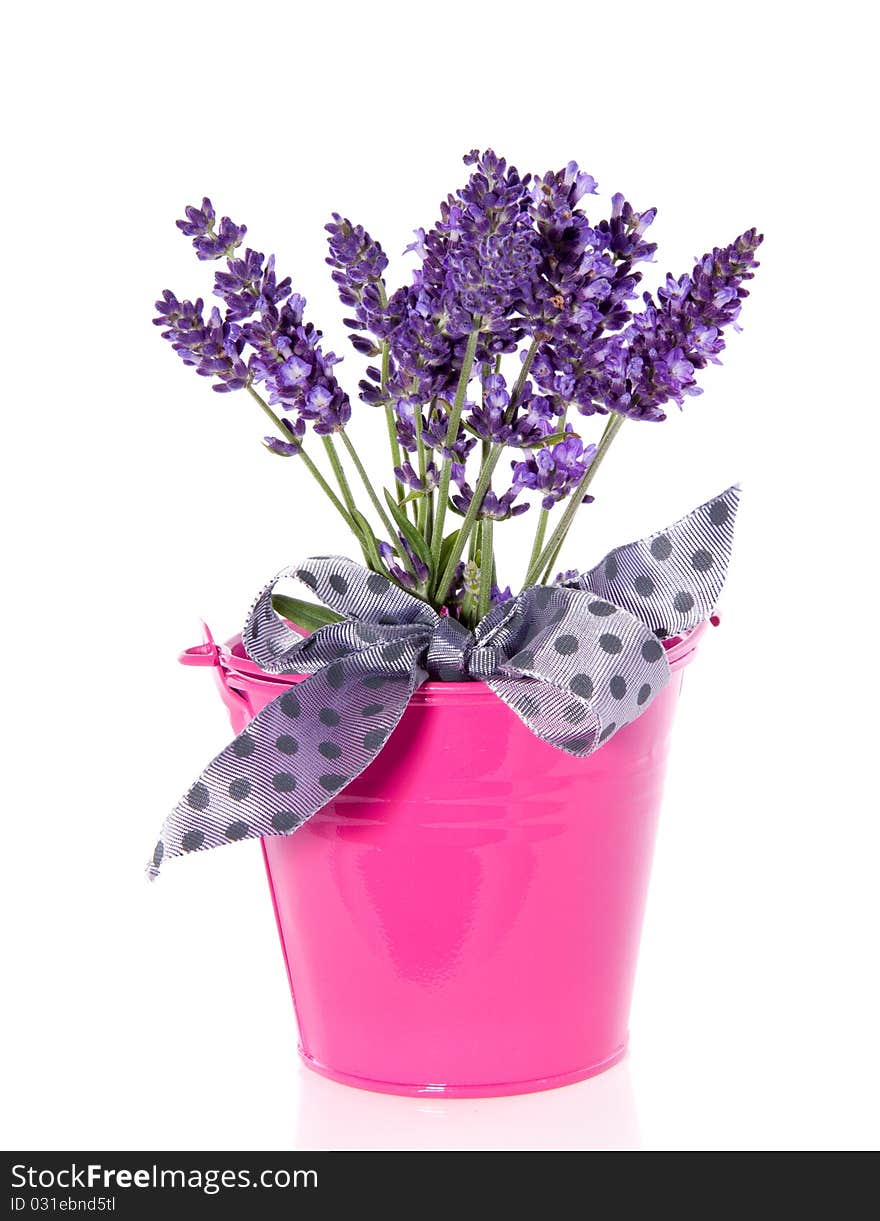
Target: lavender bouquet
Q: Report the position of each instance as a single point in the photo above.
(520, 321)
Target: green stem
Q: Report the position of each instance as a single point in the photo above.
(451, 437)
(538, 544)
(544, 517)
(390, 421)
(467, 525)
(423, 503)
(395, 448)
(307, 461)
(484, 444)
(485, 566)
(258, 398)
(490, 461)
(545, 560)
(371, 492)
(521, 379)
(545, 579)
(325, 487)
(341, 479)
(473, 541)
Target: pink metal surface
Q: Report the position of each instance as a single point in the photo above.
(464, 918)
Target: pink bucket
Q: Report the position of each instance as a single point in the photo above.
(464, 918)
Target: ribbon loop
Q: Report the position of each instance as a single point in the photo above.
(576, 662)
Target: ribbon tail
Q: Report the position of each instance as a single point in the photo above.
(297, 753)
(671, 580)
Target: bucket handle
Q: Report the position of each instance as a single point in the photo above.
(208, 654)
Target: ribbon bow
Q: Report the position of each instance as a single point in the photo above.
(576, 662)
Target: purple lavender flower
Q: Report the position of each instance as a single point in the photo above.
(422, 355)
(587, 282)
(182, 318)
(434, 428)
(571, 372)
(571, 256)
(246, 285)
(497, 595)
(586, 271)
(626, 229)
(409, 477)
(678, 334)
(536, 419)
(499, 508)
(568, 577)
(623, 234)
(212, 347)
(199, 221)
(521, 257)
(261, 313)
(480, 259)
(287, 449)
(533, 419)
(556, 197)
(404, 420)
(410, 577)
(358, 265)
(288, 360)
(489, 419)
(556, 471)
(208, 243)
(434, 424)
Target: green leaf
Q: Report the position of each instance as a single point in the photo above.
(550, 440)
(409, 532)
(306, 615)
(364, 535)
(446, 548)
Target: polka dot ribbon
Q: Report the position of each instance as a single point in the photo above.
(576, 662)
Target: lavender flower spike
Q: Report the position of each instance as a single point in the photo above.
(498, 508)
(208, 243)
(679, 333)
(213, 347)
(358, 267)
(246, 286)
(415, 572)
(556, 471)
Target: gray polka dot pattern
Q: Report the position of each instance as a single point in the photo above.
(671, 580)
(575, 663)
(273, 788)
(601, 663)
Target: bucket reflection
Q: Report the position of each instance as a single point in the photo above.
(596, 1114)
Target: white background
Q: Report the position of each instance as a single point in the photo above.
(137, 501)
